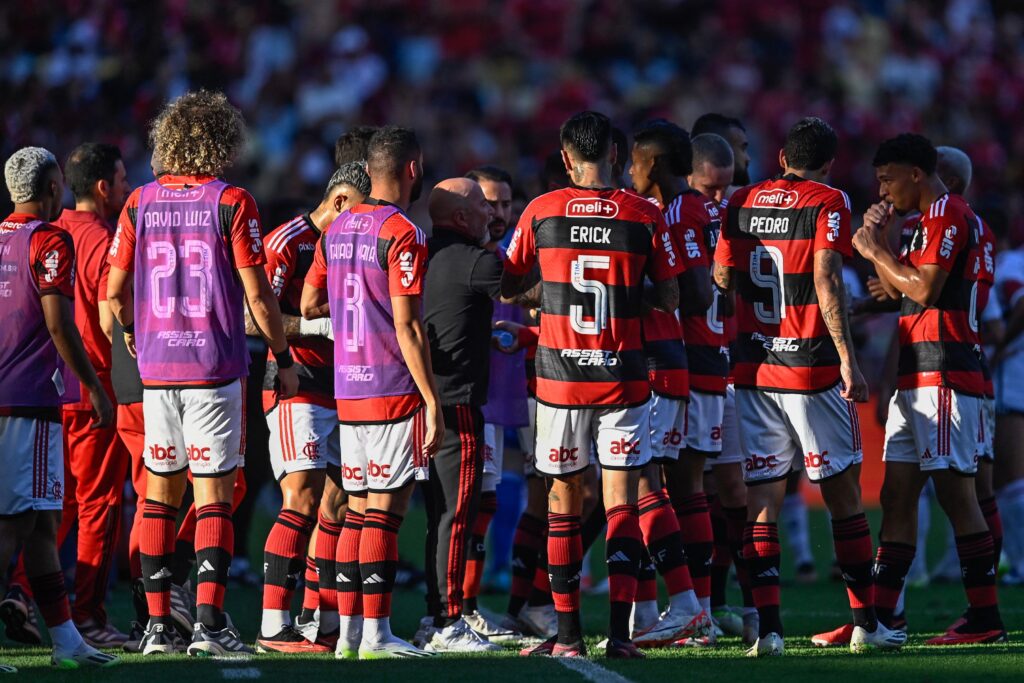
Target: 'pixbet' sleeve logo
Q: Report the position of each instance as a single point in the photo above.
(592, 206)
(775, 199)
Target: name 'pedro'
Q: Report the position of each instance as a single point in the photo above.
(767, 225)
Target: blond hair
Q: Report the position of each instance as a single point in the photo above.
(200, 133)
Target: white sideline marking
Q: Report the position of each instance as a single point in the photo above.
(249, 672)
(592, 671)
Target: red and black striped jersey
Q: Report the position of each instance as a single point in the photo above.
(770, 233)
(594, 248)
(939, 345)
(985, 272)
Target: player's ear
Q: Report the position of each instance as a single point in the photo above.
(340, 200)
(567, 162)
(782, 158)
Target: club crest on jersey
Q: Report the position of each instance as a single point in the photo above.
(592, 206)
(775, 199)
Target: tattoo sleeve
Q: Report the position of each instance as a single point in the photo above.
(828, 283)
(723, 277)
(291, 326)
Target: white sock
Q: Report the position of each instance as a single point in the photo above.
(686, 602)
(351, 630)
(274, 620)
(645, 613)
(794, 521)
(65, 637)
(376, 631)
(328, 621)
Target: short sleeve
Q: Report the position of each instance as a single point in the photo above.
(280, 267)
(833, 230)
(53, 261)
(246, 231)
(522, 249)
(122, 247)
(665, 263)
(407, 257)
(486, 276)
(942, 241)
(316, 276)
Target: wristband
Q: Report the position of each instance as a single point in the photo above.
(284, 359)
(129, 328)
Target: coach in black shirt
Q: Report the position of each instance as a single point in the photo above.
(463, 280)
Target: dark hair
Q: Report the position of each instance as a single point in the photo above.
(352, 173)
(88, 164)
(390, 148)
(587, 135)
(810, 144)
(672, 142)
(352, 146)
(908, 148)
(491, 173)
(719, 124)
(713, 149)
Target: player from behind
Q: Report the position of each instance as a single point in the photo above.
(185, 260)
(594, 245)
(36, 340)
(368, 274)
(935, 417)
(677, 530)
(304, 443)
(781, 249)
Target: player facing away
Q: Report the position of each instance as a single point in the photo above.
(368, 274)
(936, 414)
(186, 258)
(675, 523)
(304, 446)
(781, 249)
(593, 246)
(37, 339)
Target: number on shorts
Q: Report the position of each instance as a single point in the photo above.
(191, 307)
(773, 282)
(353, 297)
(594, 287)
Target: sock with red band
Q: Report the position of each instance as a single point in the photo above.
(526, 548)
(565, 562)
(51, 597)
(892, 562)
(378, 561)
(215, 543)
(664, 542)
(346, 565)
(990, 509)
(977, 567)
(852, 538)
(698, 541)
(540, 593)
(283, 559)
(311, 595)
(762, 553)
(476, 556)
(324, 552)
(623, 552)
(156, 548)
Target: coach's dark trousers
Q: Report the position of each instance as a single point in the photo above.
(452, 497)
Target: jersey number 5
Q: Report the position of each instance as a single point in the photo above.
(773, 313)
(596, 288)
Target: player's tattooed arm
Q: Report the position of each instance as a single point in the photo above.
(723, 277)
(294, 327)
(521, 290)
(828, 284)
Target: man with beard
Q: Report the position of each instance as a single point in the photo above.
(735, 134)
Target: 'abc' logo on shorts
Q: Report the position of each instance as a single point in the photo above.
(673, 438)
(624, 447)
(378, 471)
(816, 460)
(563, 454)
(195, 453)
(351, 473)
(716, 433)
(759, 462)
(158, 452)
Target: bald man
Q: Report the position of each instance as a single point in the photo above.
(463, 280)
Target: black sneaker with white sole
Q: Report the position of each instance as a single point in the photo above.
(161, 639)
(19, 618)
(223, 643)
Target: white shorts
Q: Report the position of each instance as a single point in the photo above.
(934, 427)
(668, 427)
(528, 439)
(198, 428)
(565, 437)
(494, 452)
(303, 436)
(988, 428)
(778, 430)
(32, 461)
(704, 423)
(731, 453)
(382, 457)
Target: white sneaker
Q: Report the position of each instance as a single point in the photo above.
(540, 620)
(309, 630)
(83, 656)
(672, 626)
(424, 633)
(767, 646)
(459, 637)
(491, 629)
(395, 648)
(700, 632)
(881, 639)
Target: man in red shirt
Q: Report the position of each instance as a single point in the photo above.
(935, 417)
(95, 460)
(38, 344)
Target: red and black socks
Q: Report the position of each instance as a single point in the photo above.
(51, 597)
(735, 528)
(476, 556)
(698, 541)
(346, 566)
(990, 509)
(623, 551)
(378, 561)
(762, 553)
(721, 554)
(156, 548)
(852, 539)
(311, 594)
(283, 560)
(527, 544)
(565, 562)
(215, 543)
(664, 541)
(977, 567)
(324, 553)
(892, 563)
